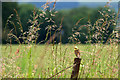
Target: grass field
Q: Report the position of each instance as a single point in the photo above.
(43, 61)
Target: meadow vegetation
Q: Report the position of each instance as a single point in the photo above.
(30, 58)
(98, 61)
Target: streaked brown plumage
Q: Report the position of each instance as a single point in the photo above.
(77, 52)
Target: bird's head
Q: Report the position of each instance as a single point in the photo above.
(75, 48)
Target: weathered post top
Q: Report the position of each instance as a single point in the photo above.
(76, 67)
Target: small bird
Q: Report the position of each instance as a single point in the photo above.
(77, 52)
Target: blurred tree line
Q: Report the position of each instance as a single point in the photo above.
(8, 14)
(81, 15)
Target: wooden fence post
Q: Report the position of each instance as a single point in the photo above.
(76, 67)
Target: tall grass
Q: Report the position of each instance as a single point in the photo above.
(97, 62)
(31, 60)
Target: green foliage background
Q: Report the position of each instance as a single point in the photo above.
(70, 18)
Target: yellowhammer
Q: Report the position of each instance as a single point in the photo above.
(77, 52)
